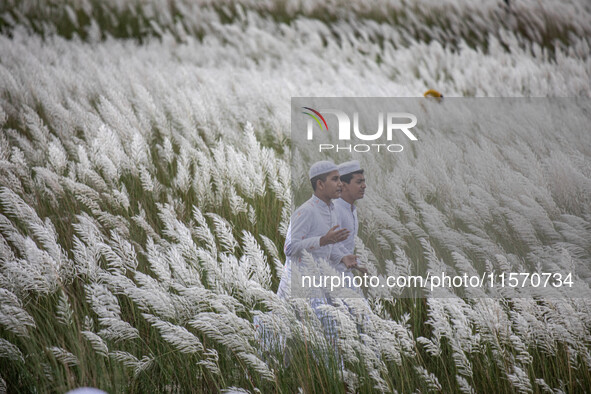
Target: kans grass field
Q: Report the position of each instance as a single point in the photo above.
(145, 194)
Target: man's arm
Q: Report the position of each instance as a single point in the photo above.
(300, 226)
(297, 234)
(337, 254)
(339, 251)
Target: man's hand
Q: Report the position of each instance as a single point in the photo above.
(333, 236)
(350, 261)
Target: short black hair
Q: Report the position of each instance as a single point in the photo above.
(347, 177)
(321, 177)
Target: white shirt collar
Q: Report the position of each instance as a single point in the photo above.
(345, 204)
(317, 201)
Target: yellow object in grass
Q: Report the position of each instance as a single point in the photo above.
(433, 93)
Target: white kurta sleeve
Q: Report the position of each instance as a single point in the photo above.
(298, 238)
(339, 250)
(337, 253)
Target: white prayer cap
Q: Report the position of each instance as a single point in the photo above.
(349, 167)
(322, 167)
(86, 390)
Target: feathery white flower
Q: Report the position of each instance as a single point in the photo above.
(97, 343)
(12, 316)
(464, 386)
(63, 356)
(520, 380)
(257, 267)
(210, 362)
(10, 351)
(57, 156)
(183, 174)
(116, 329)
(127, 359)
(428, 378)
(64, 312)
(234, 333)
(223, 232)
(178, 336)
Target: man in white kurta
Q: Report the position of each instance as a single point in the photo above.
(314, 225)
(352, 189)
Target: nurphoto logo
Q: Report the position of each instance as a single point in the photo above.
(393, 125)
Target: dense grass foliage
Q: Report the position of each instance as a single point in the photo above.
(145, 193)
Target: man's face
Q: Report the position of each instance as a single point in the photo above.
(354, 190)
(331, 188)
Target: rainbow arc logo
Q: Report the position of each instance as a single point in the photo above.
(316, 117)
